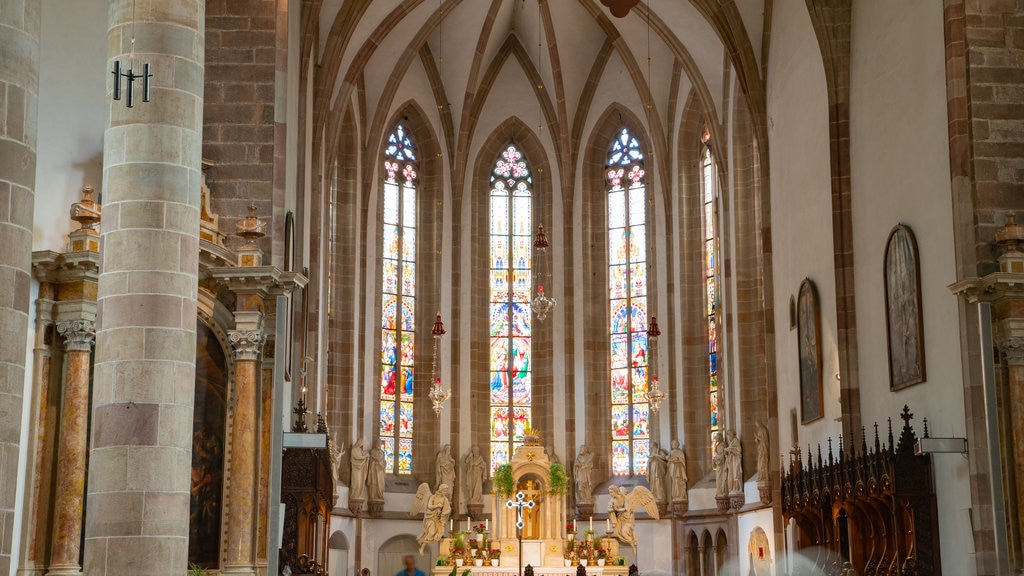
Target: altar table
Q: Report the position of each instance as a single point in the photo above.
(538, 571)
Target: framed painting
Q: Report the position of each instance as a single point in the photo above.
(808, 327)
(903, 318)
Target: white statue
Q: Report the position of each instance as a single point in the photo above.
(581, 471)
(337, 452)
(474, 471)
(358, 457)
(734, 459)
(677, 472)
(721, 465)
(656, 467)
(375, 477)
(763, 446)
(622, 508)
(436, 508)
(444, 467)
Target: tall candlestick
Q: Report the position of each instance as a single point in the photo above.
(591, 524)
(467, 524)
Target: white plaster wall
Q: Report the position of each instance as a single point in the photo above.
(801, 209)
(72, 106)
(746, 523)
(899, 158)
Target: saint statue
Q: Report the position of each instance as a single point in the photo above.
(734, 459)
(444, 467)
(656, 468)
(358, 457)
(531, 516)
(622, 508)
(375, 477)
(337, 453)
(718, 460)
(581, 471)
(436, 508)
(763, 446)
(677, 472)
(474, 471)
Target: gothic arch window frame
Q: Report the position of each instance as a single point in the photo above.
(510, 287)
(398, 223)
(627, 217)
(711, 273)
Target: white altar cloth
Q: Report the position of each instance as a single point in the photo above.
(538, 571)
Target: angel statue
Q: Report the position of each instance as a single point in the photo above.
(436, 508)
(623, 506)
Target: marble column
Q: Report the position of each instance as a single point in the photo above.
(241, 492)
(70, 489)
(19, 85)
(1013, 353)
(137, 517)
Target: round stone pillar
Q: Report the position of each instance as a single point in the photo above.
(19, 85)
(137, 518)
(1013, 353)
(70, 489)
(241, 528)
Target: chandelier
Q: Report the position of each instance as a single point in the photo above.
(542, 304)
(655, 395)
(438, 395)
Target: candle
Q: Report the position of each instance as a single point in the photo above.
(591, 523)
(573, 524)
(451, 525)
(608, 525)
(467, 524)
(487, 525)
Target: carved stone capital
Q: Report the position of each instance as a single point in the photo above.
(1013, 350)
(78, 334)
(247, 344)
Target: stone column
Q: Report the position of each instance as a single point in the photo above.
(242, 472)
(137, 521)
(1013, 353)
(70, 489)
(19, 83)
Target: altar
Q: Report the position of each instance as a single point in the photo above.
(547, 546)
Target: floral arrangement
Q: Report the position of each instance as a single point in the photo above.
(602, 553)
(457, 552)
(570, 528)
(558, 480)
(473, 544)
(480, 529)
(495, 553)
(503, 482)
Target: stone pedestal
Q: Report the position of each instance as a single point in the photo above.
(722, 502)
(375, 508)
(584, 509)
(680, 507)
(357, 506)
(764, 491)
(736, 501)
(475, 511)
(70, 489)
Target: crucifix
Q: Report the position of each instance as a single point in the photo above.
(519, 503)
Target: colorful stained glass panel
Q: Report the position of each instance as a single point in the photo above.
(390, 241)
(617, 249)
(499, 318)
(620, 316)
(409, 206)
(620, 386)
(409, 244)
(389, 314)
(387, 417)
(387, 445)
(388, 349)
(520, 420)
(499, 387)
(617, 282)
(641, 454)
(499, 215)
(638, 280)
(522, 389)
(408, 349)
(640, 414)
(390, 203)
(499, 286)
(405, 420)
(638, 315)
(407, 382)
(499, 455)
(620, 422)
(405, 456)
(389, 276)
(620, 458)
(522, 247)
(620, 351)
(637, 209)
(521, 216)
(408, 279)
(638, 349)
(616, 210)
(388, 383)
(637, 243)
(499, 354)
(499, 252)
(499, 423)
(520, 319)
(408, 320)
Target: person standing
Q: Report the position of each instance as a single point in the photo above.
(410, 567)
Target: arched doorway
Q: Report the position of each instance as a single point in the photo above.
(391, 553)
(337, 554)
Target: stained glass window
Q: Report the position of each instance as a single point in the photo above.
(711, 274)
(511, 249)
(398, 302)
(627, 290)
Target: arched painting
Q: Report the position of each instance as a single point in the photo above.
(207, 449)
(903, 318)
(808, 325)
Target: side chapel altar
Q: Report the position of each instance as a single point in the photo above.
(547, 543)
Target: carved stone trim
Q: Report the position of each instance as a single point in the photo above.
(1013, 350)
(246, 344)
(78, 334)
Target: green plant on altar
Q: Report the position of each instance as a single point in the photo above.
(620, 561)
(503, 483)
(602, 553)
(495, 553)
(455, 571)
(558, 480)
(441, 562)
(473, 543)
(196, 570)
(458, 540)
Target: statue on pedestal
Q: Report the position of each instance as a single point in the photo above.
(358, 458)
(734, 462)
(375, 477)
(444, 467)
(475, 471)
(656, 468)
(764, 483)
(622, 508)
(436, 508)
(677, 473)
(581, 472)
(718, 460)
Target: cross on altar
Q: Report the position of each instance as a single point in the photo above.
(519, 503)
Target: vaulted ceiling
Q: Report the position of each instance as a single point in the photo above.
(371, 52)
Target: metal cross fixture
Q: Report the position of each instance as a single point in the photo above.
(519, 503)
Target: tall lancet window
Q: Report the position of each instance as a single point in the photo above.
(398, 302)
(627, 287)
(511, 224)
(711, 269)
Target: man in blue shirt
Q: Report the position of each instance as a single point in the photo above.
(410, 567)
